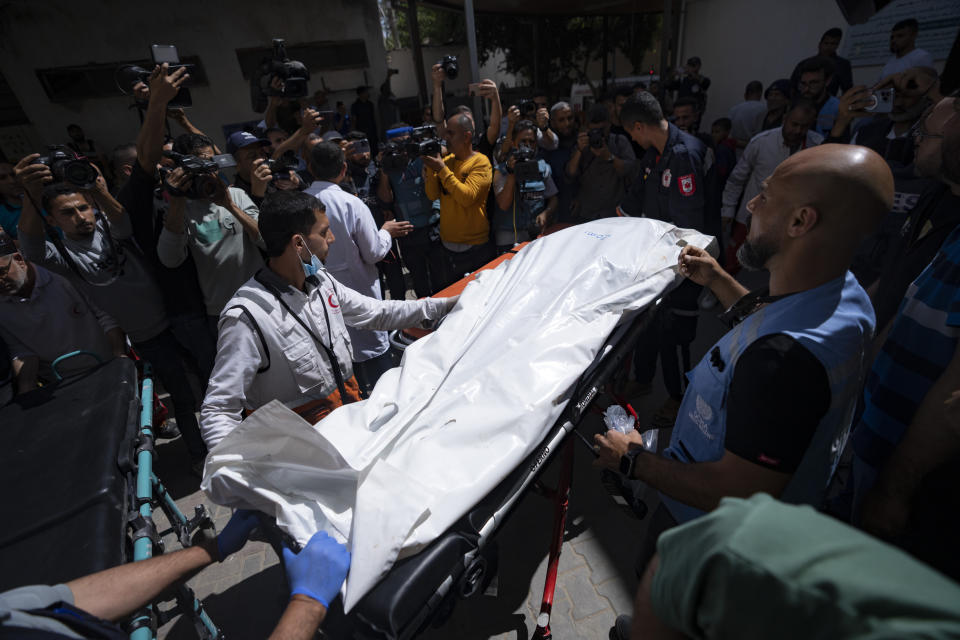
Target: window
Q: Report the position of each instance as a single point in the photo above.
(64, 84)
(317, 56)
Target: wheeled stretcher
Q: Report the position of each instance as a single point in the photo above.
(77, 478)
(418, 478)
(421, 589)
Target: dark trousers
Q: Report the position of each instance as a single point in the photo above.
(425, 259)
(461, 263)
(674, 327)
(192, 331)
(391, 276)
(163, 353)
(369, 371)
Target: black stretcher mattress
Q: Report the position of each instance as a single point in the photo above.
(61, 488)
(400, 605)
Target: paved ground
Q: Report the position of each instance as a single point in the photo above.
(245, 594)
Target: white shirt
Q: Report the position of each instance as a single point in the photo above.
(223, 252)
(763, 153)
(288, 365)
(357, 248)
(746, 120)
(916, 58)
(55, 319)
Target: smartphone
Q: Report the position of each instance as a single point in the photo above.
(328, 116)
(164, 53)
(473, 88)
(881, 101)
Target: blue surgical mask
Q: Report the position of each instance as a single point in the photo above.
(311, 268)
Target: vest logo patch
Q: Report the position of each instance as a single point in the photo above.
(703, 416)
(665, 179)
(688, 186)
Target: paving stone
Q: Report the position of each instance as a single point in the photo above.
(596, 626)
(569, 559)
(252, 565)
(583, 596)
(620, 594)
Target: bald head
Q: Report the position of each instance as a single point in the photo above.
(849, 186)
(815, 210)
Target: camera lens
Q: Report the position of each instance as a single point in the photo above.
(205, 186)
(80, 173)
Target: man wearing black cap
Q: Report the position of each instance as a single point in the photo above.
(777, 96)
(692, 84)
(249, 151)
(364, 118)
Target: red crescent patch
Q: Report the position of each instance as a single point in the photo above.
(688, 185)
(330, 301)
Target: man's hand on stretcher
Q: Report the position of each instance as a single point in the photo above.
(699, 266)
(316, 575)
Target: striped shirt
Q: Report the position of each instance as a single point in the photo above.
(921, 344)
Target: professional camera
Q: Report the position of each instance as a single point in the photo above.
(597, 138)
(394, 157)
(528, 108)
(450, 66)
(67, 166)
(292, 73)
(205, 182)
(282, 166)
(424, 141)
(526, 169)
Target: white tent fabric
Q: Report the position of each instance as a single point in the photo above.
(468, 403)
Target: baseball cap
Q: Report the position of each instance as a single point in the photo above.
(782, 85)
(241, 139)
(330, 136)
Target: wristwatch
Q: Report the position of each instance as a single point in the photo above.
(628, 461)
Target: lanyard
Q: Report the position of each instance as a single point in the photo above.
(337, 373)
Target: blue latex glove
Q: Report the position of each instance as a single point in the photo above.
(319, 570)
(235, 534)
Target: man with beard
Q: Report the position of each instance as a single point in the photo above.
(769, 405)
(563, 124)
(815, 76)
(764, 153)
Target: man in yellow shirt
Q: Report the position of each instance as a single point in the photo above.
(461, 181)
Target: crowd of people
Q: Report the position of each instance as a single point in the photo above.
(283, 285)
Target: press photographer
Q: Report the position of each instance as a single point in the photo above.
(461, 181)
(213, 223)
(525, 193)
(401, 188)
(600, 163)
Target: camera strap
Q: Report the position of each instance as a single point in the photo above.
(334, 361)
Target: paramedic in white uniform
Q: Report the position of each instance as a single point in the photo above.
(284, 336)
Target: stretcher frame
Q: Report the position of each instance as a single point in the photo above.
(467, 579)
(148, 495)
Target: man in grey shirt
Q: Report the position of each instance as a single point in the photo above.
(220, 233)
(601, 161)
(91, 245)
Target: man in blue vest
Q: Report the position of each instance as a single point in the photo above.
(769, 406)
(400, 188)
(526, 204)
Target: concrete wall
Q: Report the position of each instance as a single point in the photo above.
(56, 33)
